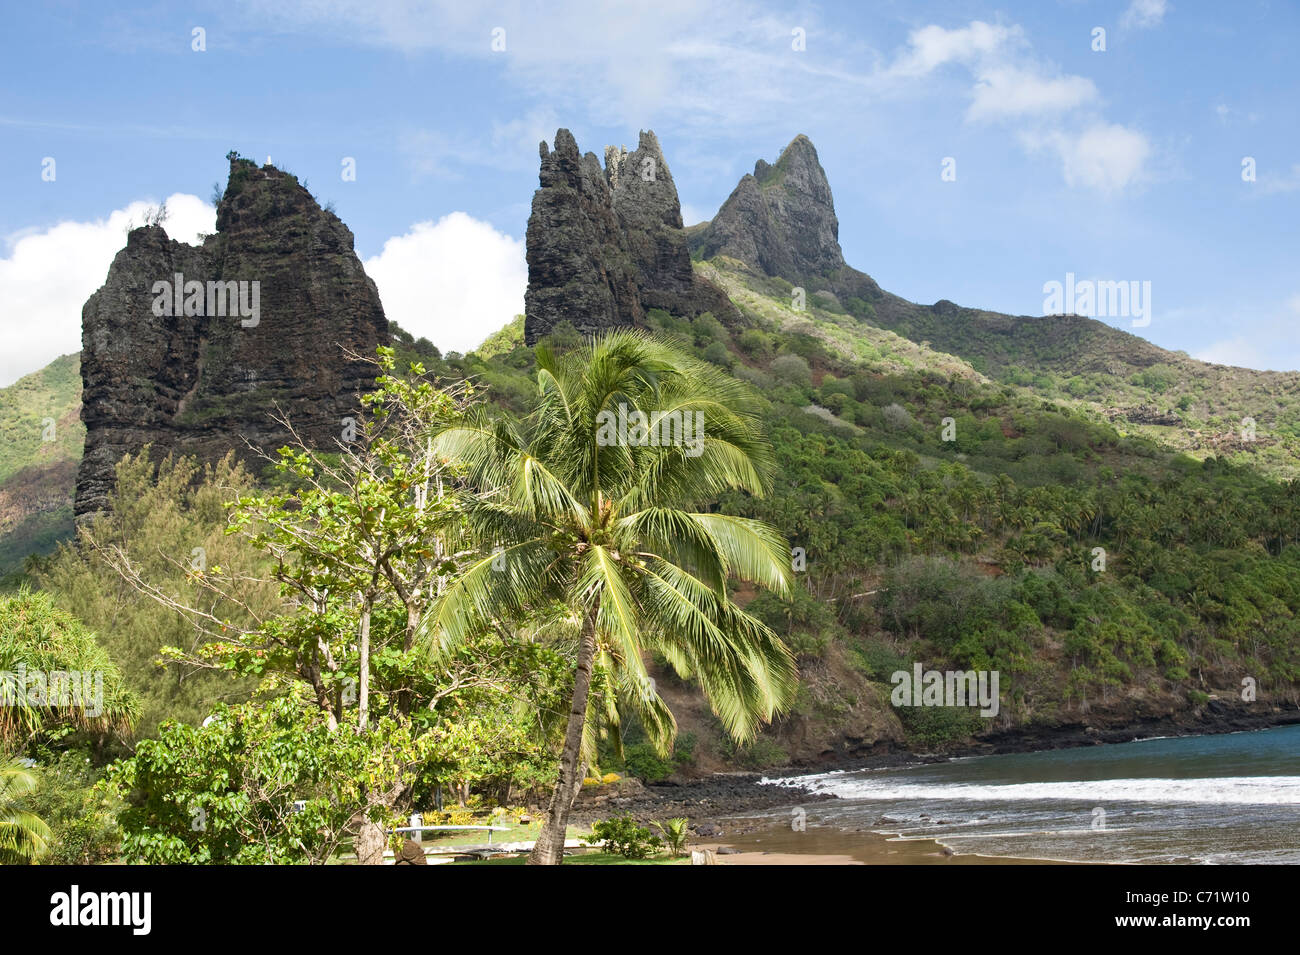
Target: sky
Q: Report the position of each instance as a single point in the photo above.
(977, 151)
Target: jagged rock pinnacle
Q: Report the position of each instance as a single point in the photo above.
(194, 348)
(603, 246)
(781, 221)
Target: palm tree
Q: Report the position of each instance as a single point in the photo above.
(608, 523)
(23, 836)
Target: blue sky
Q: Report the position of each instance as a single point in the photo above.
(1122, 164)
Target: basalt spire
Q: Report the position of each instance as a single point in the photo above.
(606, 245)
(780, 220)
(195, 349)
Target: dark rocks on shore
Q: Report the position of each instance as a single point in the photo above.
(703, 799)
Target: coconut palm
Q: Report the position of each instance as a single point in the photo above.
(23, 836)
(590, 510)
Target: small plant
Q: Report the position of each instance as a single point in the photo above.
(622, 836)
(675, 835)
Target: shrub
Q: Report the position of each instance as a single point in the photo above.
(643, 762)
(759, 754)
(896, 417)
(792, 369)
(937, 726)
(622, 836)
(754, 342)
(80, 816)
(717, 354)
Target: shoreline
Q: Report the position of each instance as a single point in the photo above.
(819, 845)
(737, 794)
(1217, 718)
(733, 813)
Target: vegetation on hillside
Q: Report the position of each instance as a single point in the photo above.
(41, 435)
(471, 601)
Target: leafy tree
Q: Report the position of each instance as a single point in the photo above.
(258, 784)
(167, 521)
(360, 543)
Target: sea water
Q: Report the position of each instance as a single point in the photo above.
(1232, 798)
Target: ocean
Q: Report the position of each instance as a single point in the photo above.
(1232, 798)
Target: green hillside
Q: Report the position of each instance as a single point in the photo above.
(40, 447)
(963, 493)
(964, 512)
(1203, 409)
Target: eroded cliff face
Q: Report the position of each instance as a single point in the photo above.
(196, 349)
(605, 245)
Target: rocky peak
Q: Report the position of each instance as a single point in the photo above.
(194, 349)
(781, 221)
(603, 246)
(650, 215)
(578, 266)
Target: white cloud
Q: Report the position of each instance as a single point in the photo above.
(933, 46)
(454, 282)
(1272, 347)
(666, 68)
(617, 60)
(47, 275)
(692, 215)
(1106, 157)
(1007, 81)
(521, 135)
(1006, 91)
(1143, 14)
(1010, 85)
(1240, 352)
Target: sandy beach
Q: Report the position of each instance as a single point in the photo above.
(817, 845)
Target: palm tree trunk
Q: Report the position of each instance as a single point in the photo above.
(549, 849)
